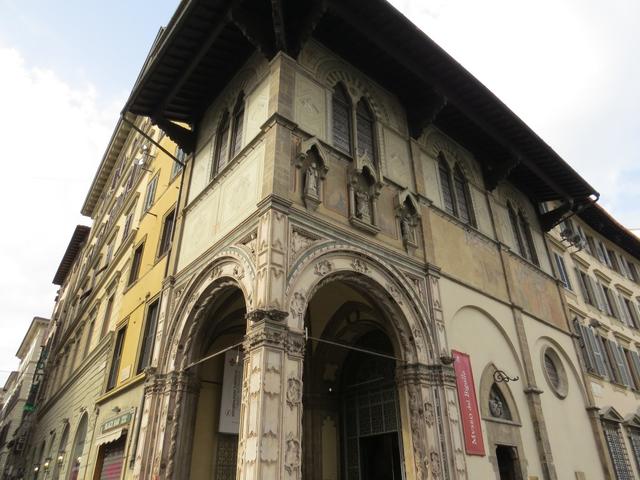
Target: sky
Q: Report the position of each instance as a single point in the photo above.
(568, 68)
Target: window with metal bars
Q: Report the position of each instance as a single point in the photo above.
(364, 131)
(617, 450)
(522, 233)
(634, 440)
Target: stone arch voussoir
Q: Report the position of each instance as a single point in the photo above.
(230, 268)
(392, 292)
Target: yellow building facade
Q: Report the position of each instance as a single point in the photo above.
(107, 309)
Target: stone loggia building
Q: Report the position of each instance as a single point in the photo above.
(360, 283)
(359, 214)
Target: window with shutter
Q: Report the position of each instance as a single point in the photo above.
(563, 275)
(150, 195)
(341, 116)
(150, 325)
(633, 313)
(595, 342)
(364, 131)
(633, 360)
(621, 360)
(611, 354)
(583, 285)
(117, 356)
(586, 349)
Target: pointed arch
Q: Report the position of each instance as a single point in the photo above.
(237, 125)
(341, 117)
(446, 187)
(365, 131)
(222, 145)
(463, 195)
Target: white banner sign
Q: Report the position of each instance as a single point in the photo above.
(231, 393)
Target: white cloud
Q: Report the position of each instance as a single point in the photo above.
(53, 135)
(568, 69)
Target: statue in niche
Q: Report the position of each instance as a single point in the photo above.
(407, 230)
(363, 206)
(407, 213)
(311, 180)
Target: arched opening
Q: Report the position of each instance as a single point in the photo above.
(214, 405)
(78, 448)
(352, 423)
(59, 457)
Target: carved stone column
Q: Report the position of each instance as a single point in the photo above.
(271, 416)
(443, 382)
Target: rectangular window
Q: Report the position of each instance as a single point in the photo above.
(87, 342)
(135, 264)
(563, 276)
(621, 363)
(617, 450)
(107, 317)
(633, 360)
(587, 288)
(593, 351)
(613, 260)
(167, 232)
(633, 271)
(177, 168)
(148, 339)
(610, 303)
(127, 224)
(117, 356)
(150, 195)
(109, 255)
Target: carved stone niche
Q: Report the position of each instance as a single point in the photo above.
(312, 163)
(365, 185)
(408, 214)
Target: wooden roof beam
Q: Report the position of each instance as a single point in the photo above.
(400, 54)
(422, 114)
(255, 31)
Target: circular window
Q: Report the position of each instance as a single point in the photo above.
(554, 372)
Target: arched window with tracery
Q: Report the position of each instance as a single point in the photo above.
(463, 197)
(238, 120)
(365, 133)
(222, 144)
(229, 136)
(522, 234)
(446, 187)
(341, 119)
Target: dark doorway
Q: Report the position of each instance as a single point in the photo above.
(507, 458)
(380, 457)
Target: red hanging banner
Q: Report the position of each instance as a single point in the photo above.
(471, 422)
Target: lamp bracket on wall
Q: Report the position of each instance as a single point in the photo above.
(501, 376)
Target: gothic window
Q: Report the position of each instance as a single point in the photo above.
(456, 196)
(222, 144)
(498, 406)
(238, 118)
(341, 119)
(364, 132)
(522, 234)
(445, 185)
(462, 195)
(229, 136)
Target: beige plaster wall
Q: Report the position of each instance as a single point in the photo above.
(567, 420)
(222, 205)
(485, 330)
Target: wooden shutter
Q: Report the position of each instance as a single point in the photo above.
(600, 299)
(621, 361)
(583, 287)
(612, 360)
(238, 120)
(587, 350)
(598, 352)
(634, 361)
